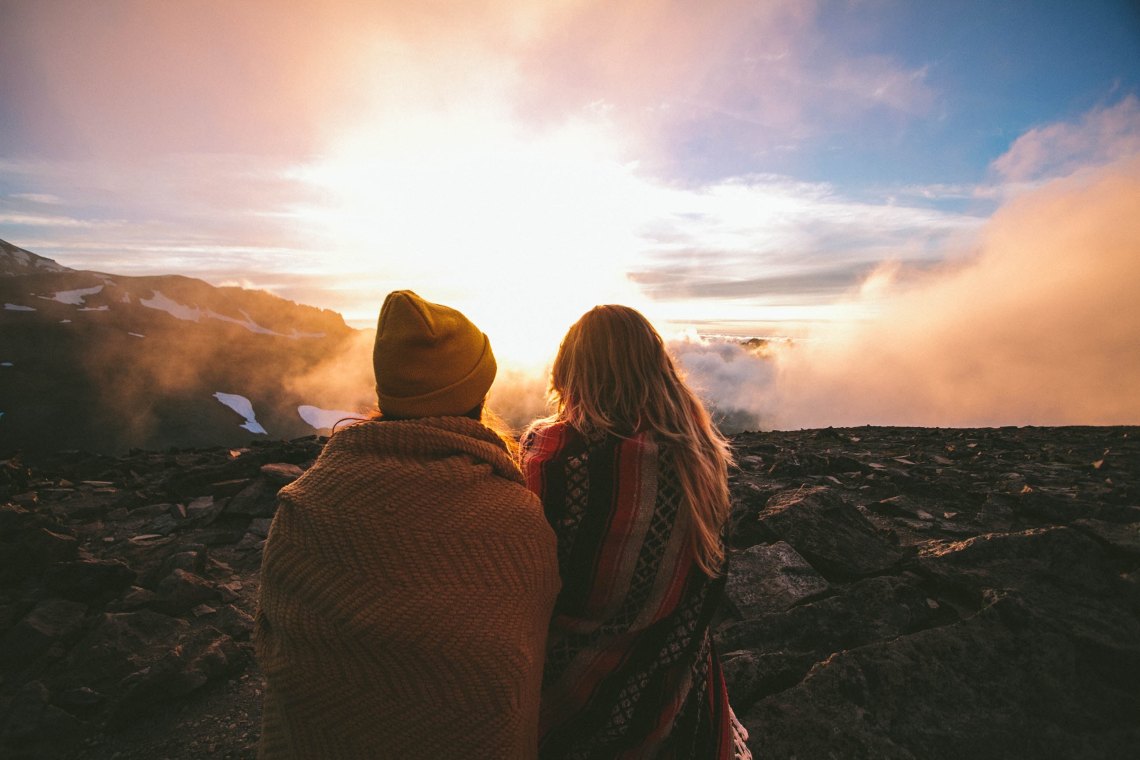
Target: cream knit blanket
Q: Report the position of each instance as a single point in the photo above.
(406, 588)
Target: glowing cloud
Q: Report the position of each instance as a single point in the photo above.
(1041, 327)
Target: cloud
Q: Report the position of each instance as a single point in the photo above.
(726, 375)
(46, 199)
(1041, 327)
(1098, 137)
(26, 219)
(770, 240)
(752, 79)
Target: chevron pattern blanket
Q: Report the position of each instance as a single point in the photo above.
(406, 588)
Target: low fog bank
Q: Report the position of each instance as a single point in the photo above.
(734, 379)
(1041, 326)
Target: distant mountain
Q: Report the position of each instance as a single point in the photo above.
(106, 363)
(15, 260)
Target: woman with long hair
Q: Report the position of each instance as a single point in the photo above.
(633, 476)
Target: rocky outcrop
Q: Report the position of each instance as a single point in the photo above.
(128, 584)
(915, 593)
(893, 593)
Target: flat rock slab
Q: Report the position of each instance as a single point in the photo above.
(976, 689)
(771, 578)
(829, 533)
(869, 610)
(1122, 538)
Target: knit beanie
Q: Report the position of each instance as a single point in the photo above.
(430, 360)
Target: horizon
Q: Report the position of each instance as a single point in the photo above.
(889, 185)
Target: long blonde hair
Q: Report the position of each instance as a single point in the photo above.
(613, 375)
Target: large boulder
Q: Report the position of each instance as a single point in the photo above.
(770, 578)
(973, 689)
(829, 533)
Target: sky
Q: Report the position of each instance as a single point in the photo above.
(867, 177)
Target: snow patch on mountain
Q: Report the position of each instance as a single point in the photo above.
(324, 419)
(17, 307)
(163, 302)
(74, 297)
(242, 406)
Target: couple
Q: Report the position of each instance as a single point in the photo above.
(423, 597)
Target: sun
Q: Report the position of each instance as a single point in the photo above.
(521, 231)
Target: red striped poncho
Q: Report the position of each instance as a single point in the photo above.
(630, 668)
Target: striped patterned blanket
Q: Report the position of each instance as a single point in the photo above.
(630, 669)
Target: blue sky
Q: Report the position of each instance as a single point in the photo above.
(739, 166)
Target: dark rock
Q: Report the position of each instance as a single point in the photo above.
(974, 689)
(873, 609)
(1060, 557)
(163, 525)
(223, 534)
(81, 701)
(206, 655)
(117, 646)
(830, 534)
(89, 579)
(1049, 506)
(752, 675)
(771, 578)
(29, 541)
(259, 526)
(198, 481)
(205, 509)
(234, 621)
(52, 621)
(281, 473)
(133, 598)
(180, 591)
(1121, 538)
(258, 499)
(227, 488)
(192, 558)
(27, 708)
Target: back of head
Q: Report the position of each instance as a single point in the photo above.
(613, 375)
(429, 359)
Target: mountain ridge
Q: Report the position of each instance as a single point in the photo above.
(106, 362)
(15, 260)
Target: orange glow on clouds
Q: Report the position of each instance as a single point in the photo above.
(1041, 327)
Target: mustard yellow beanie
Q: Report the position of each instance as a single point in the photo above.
(430, 360)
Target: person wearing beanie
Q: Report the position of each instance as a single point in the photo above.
(409, 575)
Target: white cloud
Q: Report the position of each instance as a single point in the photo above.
(1098, 137)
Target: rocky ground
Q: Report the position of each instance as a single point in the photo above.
(894, 593)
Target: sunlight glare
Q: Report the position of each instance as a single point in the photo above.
(521, 232)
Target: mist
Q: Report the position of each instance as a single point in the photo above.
(1041, 326)
(1038, 326)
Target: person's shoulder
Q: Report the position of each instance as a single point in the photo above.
(542, 433)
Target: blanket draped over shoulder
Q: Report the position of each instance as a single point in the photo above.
(406, 588)
(630, 670)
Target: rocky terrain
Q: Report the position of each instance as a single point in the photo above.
(894, 593)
